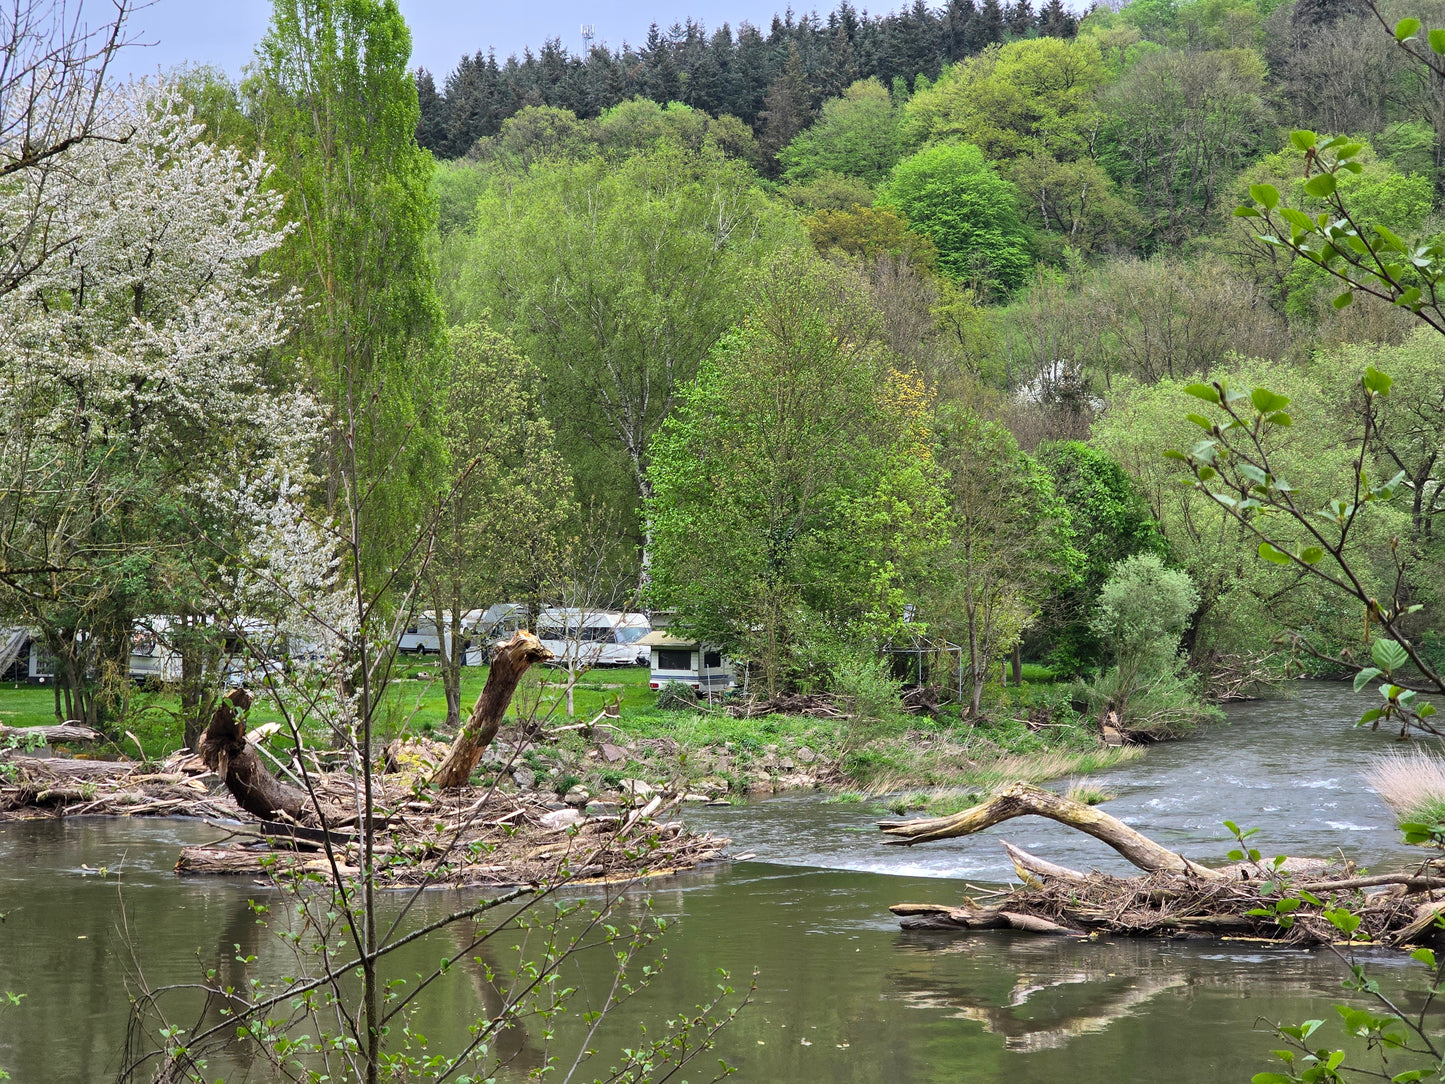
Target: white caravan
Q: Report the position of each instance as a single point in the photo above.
(681, 658)
(586, 638)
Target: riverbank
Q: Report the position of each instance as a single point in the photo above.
(1030, 733)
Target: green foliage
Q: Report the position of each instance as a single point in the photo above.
(1179, 126)
(1110, 521)
(340, 115)
(617, 278)
(869, 232)
(792, 489)
(1025, 98)
(1009, 542)
(1247, 603)
(955, 196)
(676, 696)
(1143, 609)
(855, 135)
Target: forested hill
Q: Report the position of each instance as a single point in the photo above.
(773, 82)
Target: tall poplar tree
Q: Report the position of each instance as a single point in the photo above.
(338, 113)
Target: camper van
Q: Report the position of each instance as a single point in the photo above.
(679, 658)
(587, 638)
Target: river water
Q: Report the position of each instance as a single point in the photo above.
(843, 994)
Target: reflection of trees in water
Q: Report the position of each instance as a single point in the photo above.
(1040, 994)
(511, 1046)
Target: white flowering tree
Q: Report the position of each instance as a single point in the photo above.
(145, 440)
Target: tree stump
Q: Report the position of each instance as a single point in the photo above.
(509, 662)
(226, 752)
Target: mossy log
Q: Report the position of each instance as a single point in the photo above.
(1176, 897)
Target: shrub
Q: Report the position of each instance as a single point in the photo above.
(676, 696)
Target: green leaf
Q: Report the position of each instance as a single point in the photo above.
(1303, 139)
(1376, 381)
(1342, 301)
(1246, 212)
(1321, 185)
(1298, 219)
(1406, 29)
(1270, 1078)
(1370, 716)
(1173, 454)
(1269, 553)
(1388, 655)
(1266, 401)
(1201, 421)
(1279, 417)
(1437, 42)
(1207, 392)
(1344, 921)
(1425, 956)
(1266, 195)
(1365, 676)
(1311, 555)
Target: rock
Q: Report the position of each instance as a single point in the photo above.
(498, 754)
(805, 755)
(613, 753)
(719, 801)
(787, 764)
(1112, 736)
(603, 809)
(696, 798)
(563, 818)
(760, 784)
(577, 796)
(525, 778)
(769, 760)
(635, 789)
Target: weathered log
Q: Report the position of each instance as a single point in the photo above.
(1032, 868)
(32, 736)
(39, 767)
(239, 862)
(509, 662)
(226, 752)
(1023, 799)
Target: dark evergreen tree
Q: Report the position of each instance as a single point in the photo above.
(1019, 19)
(988, 28)
(431, 130)
(773, 82)
(1056, 21)
(785, 109)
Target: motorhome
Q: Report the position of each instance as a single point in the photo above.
(587, 638)
(675, 657)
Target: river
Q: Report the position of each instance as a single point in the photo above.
(843, 994)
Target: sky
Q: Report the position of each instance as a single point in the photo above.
(223, 33)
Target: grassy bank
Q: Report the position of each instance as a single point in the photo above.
(1030, 733)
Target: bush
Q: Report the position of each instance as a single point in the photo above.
(864, 680)
(676, 696)
(1168, 706)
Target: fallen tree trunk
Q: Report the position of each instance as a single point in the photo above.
(509, 662)
(226, 752)
(30, 737)
(1022, 799)
(1287, 900)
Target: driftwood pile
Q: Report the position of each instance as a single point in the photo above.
(429, 828)
(815, 705)
(1176, 897)
(35, 787)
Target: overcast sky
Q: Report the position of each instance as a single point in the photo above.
(224, 32)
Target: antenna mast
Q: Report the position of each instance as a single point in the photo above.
(588, 33)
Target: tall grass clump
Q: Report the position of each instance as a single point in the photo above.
(1411, 784)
